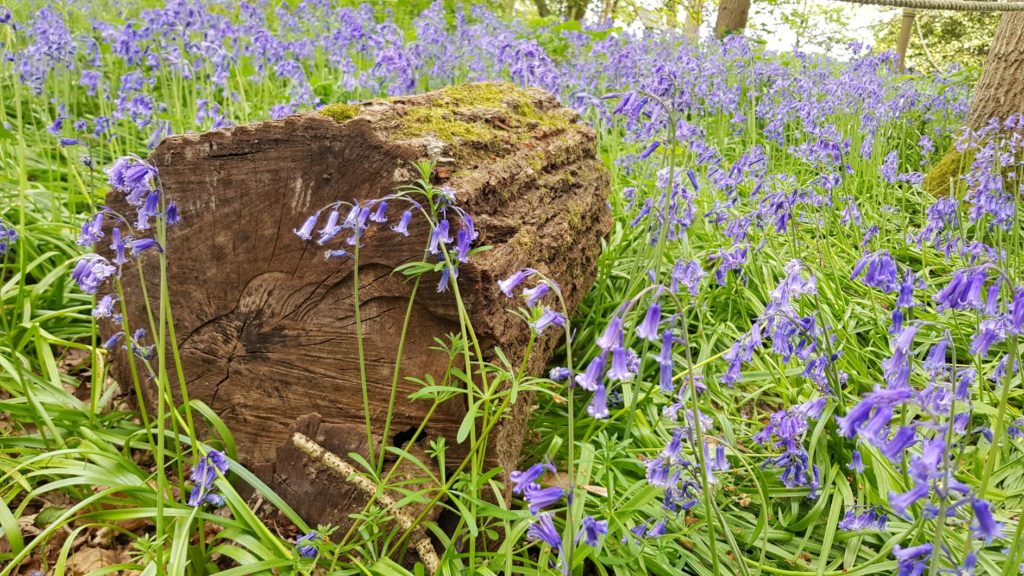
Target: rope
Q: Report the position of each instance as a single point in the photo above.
(957, 5)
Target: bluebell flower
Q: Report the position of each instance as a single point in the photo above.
(912, 561)
(438, 237)
(665, 382)
(105, 307)
(339, 253)
(985, 525)
(592, 530)
(91, 271)
(379, 214)
(544, 530)
(688, 275)
(612, 336)
(881, 271)
(306, 231)
(868, 520)
(659, 529)
(509, 284)
(560, 374)
(905, 437)
(900, 502)
(143, 244)
(598, 406)
(203, 475)
(964, 290)
(535, 294)
(620, 369)
(92, 230)
(590, 379)
(648, 328)
(118, 246)
(906, 295)
(172, 217)
(935, 362)
(856, 462)
(462, 245)
(1017, 312)
(305, 545)
(990, 332)
(539, 498)
(330, 229)
(547, 318)
(114, 340)
(527, 479)
(403, 223)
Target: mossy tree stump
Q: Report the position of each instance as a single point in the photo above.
(265, 323)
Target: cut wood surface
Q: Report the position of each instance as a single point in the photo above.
(265, 323)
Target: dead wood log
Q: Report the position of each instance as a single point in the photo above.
(265, 323)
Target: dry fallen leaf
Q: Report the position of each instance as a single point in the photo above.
(88, 559)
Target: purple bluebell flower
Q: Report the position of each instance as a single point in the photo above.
(92, 230)
(900, 502)
(438, 237)
(1017, 312)
(306, 231)
(380, 213)
(688, 275)
(912, 561)
(534, 295)
(547, 318)
(990, 332)
(204, 473)
(339, 253)
(964, 290)
(305, 545)
(463, 241)
(650, 149)
(560, 374)
(172, 217)
(403, 223)
(143, 244)
(620, 369)
(590, 379)
(985, 525)
(598, 406)
(905, 437)
(105, 307)
(539, 498)
(612, 336)
(906, 295)
(881, 271)
(509, 284)
(527, 479)
(544, 530)
(648, 328)
(868, 520)
(91, 271)
(592, 530)
(856, 462)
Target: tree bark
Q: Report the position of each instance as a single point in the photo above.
(694, 19)
(576, 9)
(732, 17)
(1000, 90)
(266, 324)
(542, 8)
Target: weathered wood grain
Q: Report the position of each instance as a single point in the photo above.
(265, 323)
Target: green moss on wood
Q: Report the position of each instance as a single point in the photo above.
(340, 111)
(947, 172)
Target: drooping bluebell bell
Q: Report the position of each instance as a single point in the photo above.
(598, 406)
(141, 245)
(203, 475)
(612, 336)
(403, 223)
(509, 284)
(544, 530)
(1017, 312)
(105, 307)
(590, 379)
(305, 545)
(686, 274)
(990, 332)
(526, 479)
(856, 462)
(91, 271)
(591, 531)
(912, 561)
(881, 271)
(648, 327)
(538, 498)
(905, 437)
(870, 519)
(964, 290)
(92, 230)
(306, 230)
(535, 294)
(900, 502)
(548, 317)
(985, 525)
(620, 369)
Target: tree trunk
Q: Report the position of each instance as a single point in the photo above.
(266, 324)
(694, 19)
(1000, 90)
(732, 17)
(542, 8)
(576, 9)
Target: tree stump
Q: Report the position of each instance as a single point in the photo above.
(265, 323)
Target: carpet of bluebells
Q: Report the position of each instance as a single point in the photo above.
(795, 360)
